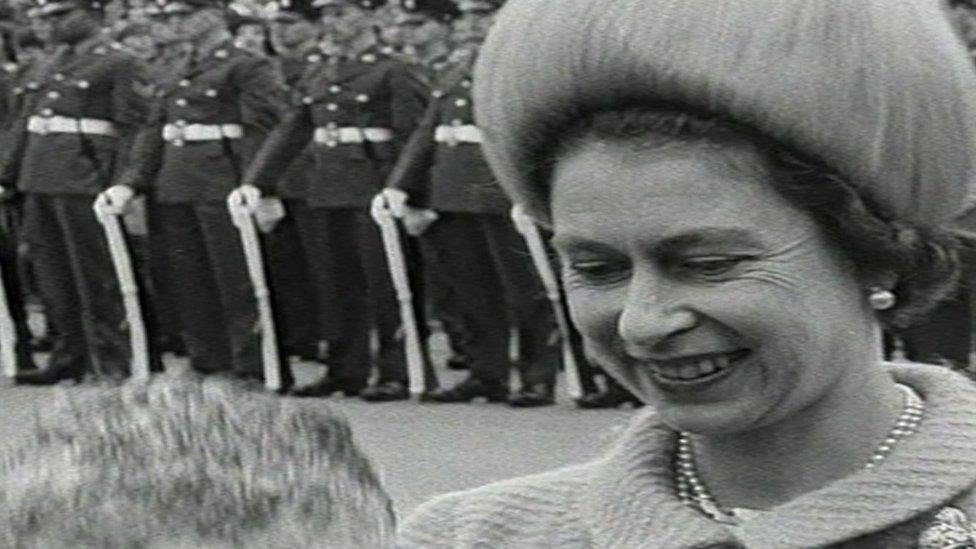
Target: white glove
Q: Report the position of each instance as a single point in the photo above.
(397, 201)
(115, 200)
(269, 211)
(416, 221)
(251, 197)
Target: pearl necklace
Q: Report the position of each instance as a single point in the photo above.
(692, 491)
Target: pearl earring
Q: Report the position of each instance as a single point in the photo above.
(881, 299)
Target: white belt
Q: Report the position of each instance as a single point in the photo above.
(336, 136)
(177, 133)
(452, 135)
(63, 124)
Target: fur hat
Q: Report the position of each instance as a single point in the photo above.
(880, 90)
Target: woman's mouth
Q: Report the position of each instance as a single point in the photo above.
(696, 369)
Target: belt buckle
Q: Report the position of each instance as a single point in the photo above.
(332, 136)
(177, 135)
(452, 133)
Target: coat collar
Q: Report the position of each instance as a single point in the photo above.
(633, 503)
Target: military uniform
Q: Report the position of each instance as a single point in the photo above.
(10, 221)
(474, 249)
(204, 128)
(79, 111)
(357, 112)
(297, 310)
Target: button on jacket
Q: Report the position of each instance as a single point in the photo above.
(448, 177)
(96, 80)
(369, 91)
(226, 86)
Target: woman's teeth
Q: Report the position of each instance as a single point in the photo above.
(690, 370)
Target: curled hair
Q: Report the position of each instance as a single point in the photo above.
(923, 261)
(189, 463)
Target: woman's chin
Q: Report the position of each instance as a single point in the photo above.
(707, 419)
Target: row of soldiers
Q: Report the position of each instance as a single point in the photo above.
(344, 125)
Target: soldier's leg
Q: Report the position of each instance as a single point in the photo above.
(54, 279)
(441, 298)
(13, 284)
(526, 299)
(340, 286)
(296, 312)
(383, 306)
(160, 287)
(457, 244)
(234, 288)
(179, 238)
(102, 309)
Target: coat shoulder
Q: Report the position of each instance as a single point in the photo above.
(539, 507)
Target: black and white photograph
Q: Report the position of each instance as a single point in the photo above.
(487, 274)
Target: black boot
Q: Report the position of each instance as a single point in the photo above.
(468, 390)
(388, 391)
(326, 387)
(50, 376)
(540, 394)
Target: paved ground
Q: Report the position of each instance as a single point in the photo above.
(421, 449)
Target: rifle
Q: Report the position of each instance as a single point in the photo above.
(243, 219)
(422, 376)
(533, 239)
(125, 274)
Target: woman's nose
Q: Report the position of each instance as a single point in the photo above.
(650, 317)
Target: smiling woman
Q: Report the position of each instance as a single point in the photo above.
(742, 194)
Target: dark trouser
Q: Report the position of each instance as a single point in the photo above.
(493, 285)
(76, 278)
(355, 293)
(164, 308)
(13, 285)
(297, 305)
(211, 287)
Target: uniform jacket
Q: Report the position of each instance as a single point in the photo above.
(93, 79)
(628, 500)
(442, 176)
(295, 180)
(369, 91)
(226, 85)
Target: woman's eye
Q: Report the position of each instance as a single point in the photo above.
(596, 271)
(710, 266)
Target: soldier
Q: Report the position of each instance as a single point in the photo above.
(449, 196)
(208, 117)
(295, 35)
(10, 207)
(79, 109)
(358, 107)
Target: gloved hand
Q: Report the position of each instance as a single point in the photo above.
(114, 200)
(269, 211)
(250, 195)
(416, 221)
(397, 201)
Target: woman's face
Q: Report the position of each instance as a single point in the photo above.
(697, 286)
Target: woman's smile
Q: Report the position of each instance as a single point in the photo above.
(694, 370)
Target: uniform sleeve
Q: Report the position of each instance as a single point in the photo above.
(131, 100)
(146, 153)
(12, 150)
(262, 96)
(411, 173)
(285, 143)
(409, 101)
(431, 526)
